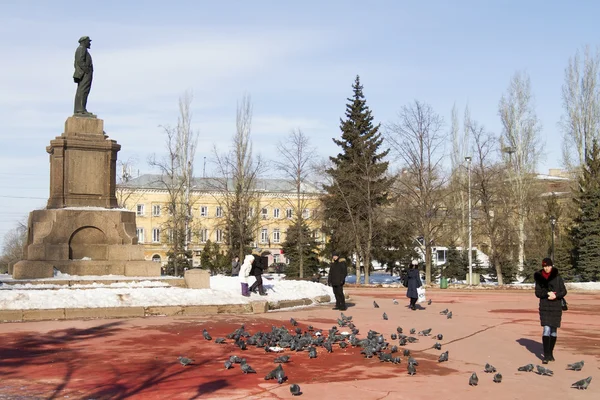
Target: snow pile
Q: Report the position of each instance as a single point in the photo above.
(224, 290)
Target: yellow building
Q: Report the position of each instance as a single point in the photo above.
(148, 197)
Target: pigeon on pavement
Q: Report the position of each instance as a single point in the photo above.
(312, 352)
(412, 369)
(413, 331)
(206, 335)
(185, 361)
(575, 366)
(473, 380)
(449, 315)
(544, 371)
(247, 369)
(498, 378)
(444, 312)
(293, 322)
(385, 316)
(582, 384)
(282, 359)
(295, 390)
(526, 368)
(429, 302)
(440, 336)
(437, 346)
(443, 356)
(489, 368)
(228, 364)
(375, 304)
(425, 332)
(395, 302)
(220, 340)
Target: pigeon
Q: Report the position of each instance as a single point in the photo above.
(395, 302)
(412, 339)
(220, 340)
(544, 371)
(327, 346)
(489, 368)
(399, 330)
(235, 359)
(449, 315)
(498, 378)
(247, 369)
(413, 331)
(185, 361)
(280, 375)
(312, 352)
(443, 356)
(473, 380)
(206, 335)
(412, 361)
(343, 345)
(310, 329)
(396, 360)
(444, 312)
(411, 369)
(375, 304)
(385, 317)
(393, 336)
(582, 384)
(271, 374)
(293, 322)
(406, 353)
(440, 336)
(575, 366)
(228, 364)
(402, 342)
(295, 390)
(526, 368)
(437, 346)
(282, 359)
(425, 332)
(429, 302)
(394, 349)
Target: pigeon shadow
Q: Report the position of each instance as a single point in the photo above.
(210, 387)
(533, 346)
(349, 305)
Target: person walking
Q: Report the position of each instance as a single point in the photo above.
(550, 289)
(414, 282)
(336, 279)
(245, 273)
(235, 267)
(258, 266)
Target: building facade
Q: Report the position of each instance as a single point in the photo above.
(147, 196)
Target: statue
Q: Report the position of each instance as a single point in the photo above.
(84, 70)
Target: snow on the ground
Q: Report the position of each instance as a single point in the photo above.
(223, 290)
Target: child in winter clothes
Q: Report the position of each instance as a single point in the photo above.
(245, 273)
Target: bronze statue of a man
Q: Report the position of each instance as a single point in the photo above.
(84, 71)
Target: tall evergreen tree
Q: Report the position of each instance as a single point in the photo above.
(587, 230)
(299, 246)
(359, 183)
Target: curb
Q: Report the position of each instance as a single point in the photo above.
(254, 307)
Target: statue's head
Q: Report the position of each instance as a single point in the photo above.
(85, 41)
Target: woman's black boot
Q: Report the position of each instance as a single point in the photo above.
(551, 348)
(546, 344)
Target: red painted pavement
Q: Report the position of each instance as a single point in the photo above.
(137, 358)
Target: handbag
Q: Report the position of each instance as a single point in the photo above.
(564, 304)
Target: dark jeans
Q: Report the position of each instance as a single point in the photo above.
(340, 300)
(258, 284)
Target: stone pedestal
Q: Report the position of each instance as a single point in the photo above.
(81, 232)
(79, 241)
(197, 279)
(83, 164)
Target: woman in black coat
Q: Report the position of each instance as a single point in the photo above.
(414, 282)
(550, 289)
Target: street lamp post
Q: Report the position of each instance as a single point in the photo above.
(552, 225)
(468, 160)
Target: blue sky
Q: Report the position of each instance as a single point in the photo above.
(297, 61)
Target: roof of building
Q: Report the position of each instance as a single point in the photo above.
(271, 185)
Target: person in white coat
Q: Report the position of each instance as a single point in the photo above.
(245, 273)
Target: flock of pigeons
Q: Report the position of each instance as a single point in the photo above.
(374, 344)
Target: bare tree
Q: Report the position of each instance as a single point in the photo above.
(418, 140)
(458, 179)
(176, 174)
(236, 185)
(521, 149)
(581, 102)
(124, 192)
(13, 245)
(297, 157)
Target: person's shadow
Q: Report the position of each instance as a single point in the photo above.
(533, 346)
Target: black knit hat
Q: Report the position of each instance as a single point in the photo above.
(547, 262)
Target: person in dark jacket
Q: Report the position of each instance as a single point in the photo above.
(336, 279)
(258, 266)
(550, 289)
(235, 266)
(414, 282)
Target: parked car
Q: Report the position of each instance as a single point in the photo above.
(375, 279)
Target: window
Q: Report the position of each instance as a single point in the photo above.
(276, 236)
(203, 211)
(140, 210)
(156, 210)
(219, 235)
(219, 212)
(140, 235)
(289, 213)
(203, 235)
(156, 235)
(276, 258)
(250, 212)
(316, 234)
(264, 213)
(276, 213)
(264, 235)
(170, 235)
(306, 213)
(156, 258)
